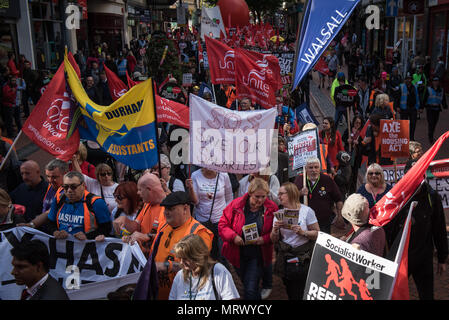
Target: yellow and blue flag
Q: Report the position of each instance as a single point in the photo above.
(126, 129)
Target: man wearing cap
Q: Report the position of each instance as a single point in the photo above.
(179, 223)
(409, 103)
(364, 237)
(435, 101)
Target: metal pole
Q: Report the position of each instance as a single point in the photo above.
(10, 150)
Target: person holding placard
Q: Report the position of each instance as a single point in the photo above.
(293, 243)
(245, 228)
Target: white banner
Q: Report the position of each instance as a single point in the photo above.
(231, 141)
(76, 264)
(211, 22)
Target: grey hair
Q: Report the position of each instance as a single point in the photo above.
(73, 174)
(313, 160)
(57, 163)
(376, 167)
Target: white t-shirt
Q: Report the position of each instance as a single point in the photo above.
(177, 185)
(181, 289)
(94, 187)
(204, 189)
(306, 218)
(274, 188)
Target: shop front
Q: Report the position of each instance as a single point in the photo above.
(106, 27)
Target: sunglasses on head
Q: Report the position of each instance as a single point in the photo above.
(104, 174)
(70, 186)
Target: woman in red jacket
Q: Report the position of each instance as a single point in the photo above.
(245, 228)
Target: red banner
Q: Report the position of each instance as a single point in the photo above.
(221, 62)
(321, 66)
(49, 123)
(172, 112)
(255, 77)
(116, 86)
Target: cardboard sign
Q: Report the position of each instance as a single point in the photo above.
(394, 138)
(345, 95)
(301, 147)
(187, 79)
(338, 271)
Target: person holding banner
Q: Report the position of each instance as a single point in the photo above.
(294, 243)
(322, 195)
(382, 106)
(78, 212)
(9, 215)
(245, 228)
(428, 232)
(364, 237)
(375, 187)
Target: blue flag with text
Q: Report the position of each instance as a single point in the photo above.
(322, 22)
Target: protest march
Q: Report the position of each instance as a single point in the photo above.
(207, 160)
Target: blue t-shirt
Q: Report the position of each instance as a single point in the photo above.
(71, 217)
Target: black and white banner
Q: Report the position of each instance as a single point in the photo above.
(86, 269)
(338, 271)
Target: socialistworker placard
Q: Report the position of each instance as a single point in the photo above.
(394, 138)
(345, 95)
(338, 271)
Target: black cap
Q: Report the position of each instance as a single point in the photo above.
(175, 198)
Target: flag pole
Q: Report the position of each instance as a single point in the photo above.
(304, 181)
(349, 126)
(10, 150)
(156, 128)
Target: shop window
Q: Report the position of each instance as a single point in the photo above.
(438, 36)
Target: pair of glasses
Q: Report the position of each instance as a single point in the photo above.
(119, 197)
(70, 186)
(374, 173)
(104, 174)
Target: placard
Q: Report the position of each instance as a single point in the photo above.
(394, 138)
(301, 147)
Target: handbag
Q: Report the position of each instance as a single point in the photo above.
(209, 224)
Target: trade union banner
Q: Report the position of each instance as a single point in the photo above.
(126, 128)
(100, 266)
(321, 23)
(221, 60)
(338, 271)
(231, 141)
(48, 125)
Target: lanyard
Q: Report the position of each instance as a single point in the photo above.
(190, 288)
(312, 188)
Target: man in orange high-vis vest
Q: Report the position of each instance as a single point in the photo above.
(150, 218)
(78, 212)
(179, 223)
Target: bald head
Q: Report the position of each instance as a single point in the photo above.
(31, 173)
(150, 189)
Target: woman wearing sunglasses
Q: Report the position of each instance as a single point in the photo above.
(103, 186)
(128, 202)
(375, 187)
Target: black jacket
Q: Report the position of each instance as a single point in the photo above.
(50, 290)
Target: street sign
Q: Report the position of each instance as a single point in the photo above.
(392, 8)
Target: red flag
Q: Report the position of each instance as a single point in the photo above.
(221, 62)
(131, 82)
(49, 123)
(390, 204)
(200, 52)
(255, 79)
(116, 86)
(172, 112)
(321, 66)
(268, 61)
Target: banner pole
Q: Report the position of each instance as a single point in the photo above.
(10, 150)
(156, 129)
(304, 181)
(349, 126)
(395, 171)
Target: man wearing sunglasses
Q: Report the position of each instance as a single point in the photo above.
(78, 212)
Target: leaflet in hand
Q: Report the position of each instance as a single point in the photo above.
(250, 233)
(290, 217)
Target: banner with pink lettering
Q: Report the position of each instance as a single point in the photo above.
(232, 141)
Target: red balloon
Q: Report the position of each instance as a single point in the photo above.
(234, 12)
